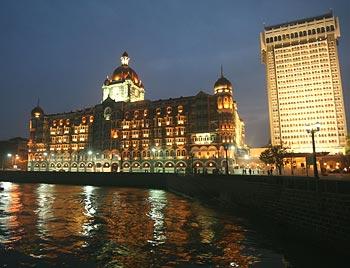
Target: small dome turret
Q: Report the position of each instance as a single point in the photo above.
(222, 84)
(37, 112)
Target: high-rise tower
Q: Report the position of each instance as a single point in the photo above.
(304, 84)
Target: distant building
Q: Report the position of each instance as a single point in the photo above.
(304, 84)
(126, 133)
(14, 153)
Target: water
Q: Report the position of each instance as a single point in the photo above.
(84, 226)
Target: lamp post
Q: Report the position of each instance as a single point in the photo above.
(226, 147)
(226, 165)
(153, 156)
(191, 157)
(90, 154)
(9, 155)
(312, 130)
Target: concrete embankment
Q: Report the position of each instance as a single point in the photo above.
(315, 209)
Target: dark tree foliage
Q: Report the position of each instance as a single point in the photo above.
(274, 156)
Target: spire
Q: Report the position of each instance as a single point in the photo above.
(222, 71)
(125, 59)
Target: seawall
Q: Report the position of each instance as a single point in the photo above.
(315, 209)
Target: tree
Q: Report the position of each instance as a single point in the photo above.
(347, 148)
(274, 155)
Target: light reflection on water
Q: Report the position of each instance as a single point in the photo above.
(64, 225)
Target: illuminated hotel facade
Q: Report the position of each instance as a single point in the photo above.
(126, 133)
(304, 84)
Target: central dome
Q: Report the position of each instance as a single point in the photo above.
(124, 72)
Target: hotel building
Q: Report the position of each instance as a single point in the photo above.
(304, 84)
(126, 133)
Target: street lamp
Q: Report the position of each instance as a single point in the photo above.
(312, 130)
(153, 150)
(227, 147)
(3, 160)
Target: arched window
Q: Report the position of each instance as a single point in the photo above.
(136, 114)
(304, 33)
(332, 27)
(309, 32)
(292, 35)
(295, 35)
(279, 38)
(166, 153)
(322, 30)
(183, 152)
(318, 30)
(267, 40)
(271, 39)
(327, 28)
(275, 38)
(313, 31)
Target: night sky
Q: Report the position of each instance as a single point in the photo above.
(61, 51)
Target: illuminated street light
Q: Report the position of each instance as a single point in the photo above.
(226, 147)
(312, 130)
(3, 160)
(153, 150)
(89, 152)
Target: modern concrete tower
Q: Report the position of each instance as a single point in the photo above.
(304, 83)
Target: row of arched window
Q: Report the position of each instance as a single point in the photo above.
(166, 153)
(300, 34)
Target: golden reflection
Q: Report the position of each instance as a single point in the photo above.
(206, 221)
(61, 216)
(45, 199)
(14, 209)
(177, 214)
(232, 244)
(128, 227)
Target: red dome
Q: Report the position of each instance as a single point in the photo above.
(123, 73)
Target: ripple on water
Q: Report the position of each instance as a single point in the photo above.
(56, 225)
